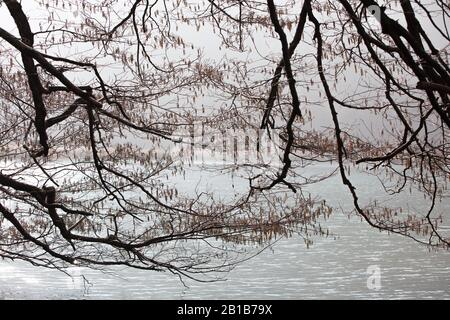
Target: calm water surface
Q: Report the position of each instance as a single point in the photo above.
(332, 268)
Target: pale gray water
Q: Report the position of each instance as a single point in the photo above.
(330, 269)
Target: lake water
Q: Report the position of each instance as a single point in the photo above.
(332, 268)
